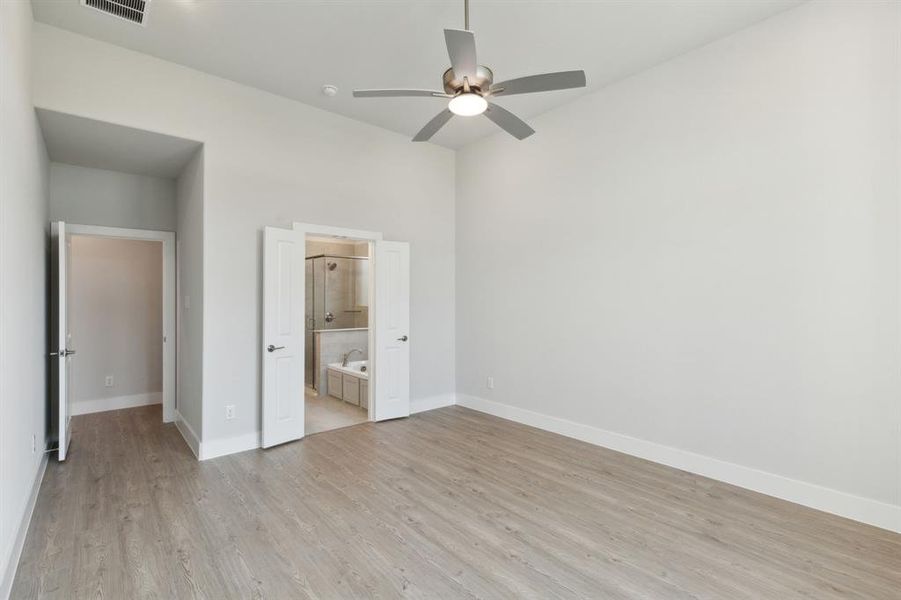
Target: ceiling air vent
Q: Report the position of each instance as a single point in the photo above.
(130, 10)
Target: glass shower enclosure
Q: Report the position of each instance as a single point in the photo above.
(337, 297)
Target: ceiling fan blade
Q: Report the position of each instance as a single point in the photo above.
(397, 93)
(461, 48)
(432, 127)
(509, 122)
(547, 82)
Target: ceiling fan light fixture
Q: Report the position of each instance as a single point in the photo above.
(468, 85)
(467, 104)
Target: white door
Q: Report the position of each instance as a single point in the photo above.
(392, 330)
(283, 331)
(60, 353)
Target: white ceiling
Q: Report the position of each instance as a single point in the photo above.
(293, 48)
(88, 143)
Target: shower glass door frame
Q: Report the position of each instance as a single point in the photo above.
(320, 311)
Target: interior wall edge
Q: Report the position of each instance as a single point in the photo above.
(187, 433)
(9, 574)
(865, 510)
(190, 231)
(230, 445)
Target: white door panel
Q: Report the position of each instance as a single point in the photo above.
(392, 330)
(283, 336)
(60, 353)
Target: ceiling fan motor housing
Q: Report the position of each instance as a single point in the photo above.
(480, 84)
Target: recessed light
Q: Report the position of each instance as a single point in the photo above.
(330, 90)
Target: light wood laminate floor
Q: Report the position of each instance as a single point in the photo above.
(446, 504)
(324, 413)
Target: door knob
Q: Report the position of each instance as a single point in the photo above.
(272, 348)
(402, 339)
(67, 352)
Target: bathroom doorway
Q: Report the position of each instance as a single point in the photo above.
(336, 333)
(385, 382)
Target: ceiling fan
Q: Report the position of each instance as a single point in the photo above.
(470, 86)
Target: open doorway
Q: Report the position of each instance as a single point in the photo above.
(115, 321)
(113, 298)
(336, 333)
(117, 293)
(286, 334)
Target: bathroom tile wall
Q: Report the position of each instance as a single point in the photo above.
(330, 347)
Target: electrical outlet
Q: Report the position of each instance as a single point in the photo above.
(230, 412)
(490, 383)
(108, 382)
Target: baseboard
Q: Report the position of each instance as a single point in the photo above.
(251, 441)
(86, 407)
(432, 402)
(187, 432)
(9, 572)
(221, 447)
(865, 510)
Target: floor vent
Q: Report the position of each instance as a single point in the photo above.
(130, 10)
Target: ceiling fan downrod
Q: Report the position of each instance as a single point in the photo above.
(466, 15)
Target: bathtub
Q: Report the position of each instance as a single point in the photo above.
(349, 383)
(357, 368)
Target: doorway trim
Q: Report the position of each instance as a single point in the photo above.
(361, 235)
(167, 238)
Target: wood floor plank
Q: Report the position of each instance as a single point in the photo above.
(446, 504)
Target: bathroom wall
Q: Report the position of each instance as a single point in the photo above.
(330, 347)
(361, 285)
(315, 247)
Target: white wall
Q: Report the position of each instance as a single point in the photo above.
(270, 161)
(189, 259)
(116, 322)
(705, 256)
(101, 197)
(23, 280)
